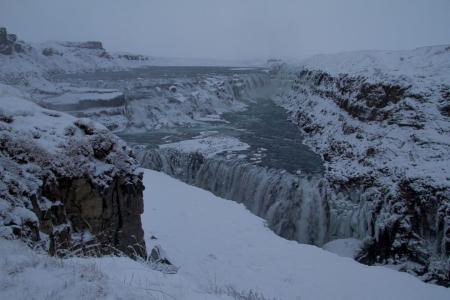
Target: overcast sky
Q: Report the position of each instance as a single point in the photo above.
(233, 29)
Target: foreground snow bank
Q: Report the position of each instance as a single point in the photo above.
(25, 274)
(218, 243)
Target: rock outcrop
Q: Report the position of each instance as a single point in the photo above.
(9, 43)
(67, 185)
(37, 62)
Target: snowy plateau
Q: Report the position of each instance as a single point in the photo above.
(125, 176)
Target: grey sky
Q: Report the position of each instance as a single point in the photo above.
(233, 29)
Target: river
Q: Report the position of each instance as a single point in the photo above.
(275, 142)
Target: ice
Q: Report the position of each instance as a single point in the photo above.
(208, 146)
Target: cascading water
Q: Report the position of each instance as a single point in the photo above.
(305, 208)
(295, 207)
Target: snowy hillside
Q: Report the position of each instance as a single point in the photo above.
(58, 56)
(416, 66)
(223, 251)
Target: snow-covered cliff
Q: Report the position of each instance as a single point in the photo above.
(380, 120)
(67, 185)
(20, 59)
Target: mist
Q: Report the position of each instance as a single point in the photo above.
(232, 29)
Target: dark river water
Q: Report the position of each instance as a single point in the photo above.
(160, 72)
(274, 141)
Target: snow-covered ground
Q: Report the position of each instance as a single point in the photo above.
(417, 66)
(219, 242)
(223, 251)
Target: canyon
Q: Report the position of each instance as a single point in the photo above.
(356, 146)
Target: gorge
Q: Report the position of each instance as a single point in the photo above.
(343, 146)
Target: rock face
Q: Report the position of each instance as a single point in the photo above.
(66, 185)
(8, 43)
(134, 57)
(92, 45)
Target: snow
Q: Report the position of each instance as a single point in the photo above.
(25, 274)
(69, 57)
(70, 98)
(31, 119)
(218, 241)
(208, 146)
(423, 64)
(211, 118)
(343, 247)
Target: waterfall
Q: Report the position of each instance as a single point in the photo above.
(295, 207)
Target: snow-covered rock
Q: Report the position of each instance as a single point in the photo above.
(9, 43)
(56, 56)
(66, 184)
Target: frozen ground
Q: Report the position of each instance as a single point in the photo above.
(223, 251)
